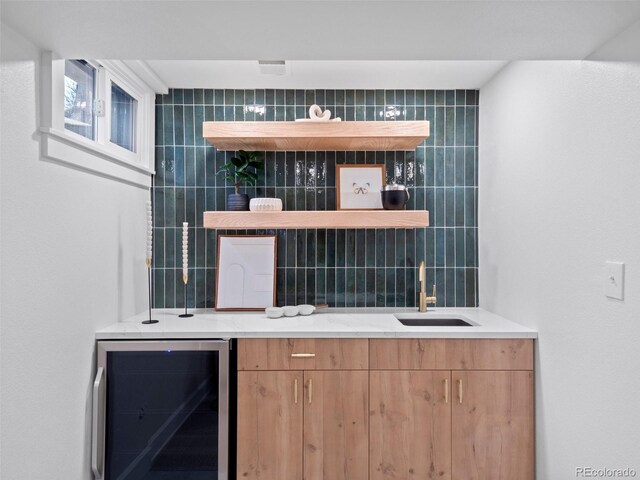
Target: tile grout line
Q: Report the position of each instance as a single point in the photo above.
(464, 198)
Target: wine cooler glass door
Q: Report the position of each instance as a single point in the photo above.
(163, 411)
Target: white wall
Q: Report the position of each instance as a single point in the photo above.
(560, 195)
(72, 261)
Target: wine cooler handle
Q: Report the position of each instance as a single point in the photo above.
(97, 430)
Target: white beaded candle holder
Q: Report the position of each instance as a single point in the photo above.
(149, 258)
(185, 266)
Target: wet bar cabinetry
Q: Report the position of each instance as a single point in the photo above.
(334, 409)
(451, 409)
(303, 409)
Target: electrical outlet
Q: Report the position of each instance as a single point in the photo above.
(614, 281)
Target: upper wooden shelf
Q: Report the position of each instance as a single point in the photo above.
(317, 219)
(309, 136)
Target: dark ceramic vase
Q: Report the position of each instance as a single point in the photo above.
(238, 202)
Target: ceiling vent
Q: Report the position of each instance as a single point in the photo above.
(272, 67)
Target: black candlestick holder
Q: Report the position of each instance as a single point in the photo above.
(185, 279)
(149, 281)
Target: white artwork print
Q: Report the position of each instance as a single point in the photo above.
(360, 188)
(246, 267)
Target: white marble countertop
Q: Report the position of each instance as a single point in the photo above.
(326, 323)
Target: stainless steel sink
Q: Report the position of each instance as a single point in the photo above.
(417, 320)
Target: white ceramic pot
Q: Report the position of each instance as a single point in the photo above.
(306, 309)
(290, 311)
(274, 312)
(265, 205)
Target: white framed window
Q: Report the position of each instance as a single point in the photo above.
(99, 116)
(79, 96)
(123, 124)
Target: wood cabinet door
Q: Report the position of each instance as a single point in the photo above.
(492, 425)
(336, 425)
(270, 425)
(410, 432)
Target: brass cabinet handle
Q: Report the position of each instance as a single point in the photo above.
(446, 390)
(295, 391)
(303, 355)
(310, 390)
(460, 391)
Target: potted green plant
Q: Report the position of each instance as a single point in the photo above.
(241, 170)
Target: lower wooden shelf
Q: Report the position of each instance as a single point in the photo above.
(317, 219)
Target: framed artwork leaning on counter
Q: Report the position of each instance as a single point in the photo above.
(246, 273)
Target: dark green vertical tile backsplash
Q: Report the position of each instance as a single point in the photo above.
(344, 268)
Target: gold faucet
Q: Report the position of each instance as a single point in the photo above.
(424, 300)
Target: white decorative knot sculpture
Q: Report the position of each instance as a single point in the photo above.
(317, 115)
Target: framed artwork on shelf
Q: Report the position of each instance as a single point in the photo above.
(246, 273)
(358, 186)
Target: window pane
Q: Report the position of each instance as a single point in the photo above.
(79, 88)
(123, 118)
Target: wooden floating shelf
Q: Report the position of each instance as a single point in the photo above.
(317, 219)
(310, 136)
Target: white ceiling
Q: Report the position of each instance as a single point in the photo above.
(327, 74)
(406, 34)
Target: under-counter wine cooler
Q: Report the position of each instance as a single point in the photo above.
(160, 410)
